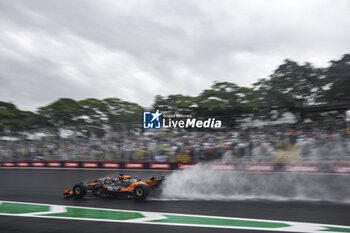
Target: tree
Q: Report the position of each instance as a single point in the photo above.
(290, 86)
(15, 120)
(175, 104)
(122, 114)
(91, 115)
(63, 113)
(226, 101)
(338, 80)
(93, 112)
(303, 83)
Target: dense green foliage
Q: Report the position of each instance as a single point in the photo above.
(90, 114)
(13, 119)
(290, 86)
(338, 79)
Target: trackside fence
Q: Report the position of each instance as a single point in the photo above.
(336, 168)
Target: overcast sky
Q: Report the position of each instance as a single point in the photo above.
(134, 50)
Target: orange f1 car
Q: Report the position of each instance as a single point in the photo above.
(121, 186)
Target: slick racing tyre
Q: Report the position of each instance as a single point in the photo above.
(79, 190)
(140, 192)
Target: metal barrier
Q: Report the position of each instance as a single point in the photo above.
(312, 168)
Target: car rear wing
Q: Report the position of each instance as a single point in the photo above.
(158, 179)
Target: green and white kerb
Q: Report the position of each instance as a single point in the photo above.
(23, 209)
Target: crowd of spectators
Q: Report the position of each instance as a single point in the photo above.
(268, 144)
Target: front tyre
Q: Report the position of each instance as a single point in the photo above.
(79, 191)
(141, 192)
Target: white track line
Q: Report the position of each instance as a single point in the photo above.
(150, 216)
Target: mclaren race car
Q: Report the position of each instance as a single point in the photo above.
(121, 186)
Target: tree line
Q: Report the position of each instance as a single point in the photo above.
(290, 86)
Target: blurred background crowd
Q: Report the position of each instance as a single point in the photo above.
(281, 143)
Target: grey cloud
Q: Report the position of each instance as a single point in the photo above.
(135, 50)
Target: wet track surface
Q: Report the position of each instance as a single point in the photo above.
(46, 186)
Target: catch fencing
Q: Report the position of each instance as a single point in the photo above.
(311, 168)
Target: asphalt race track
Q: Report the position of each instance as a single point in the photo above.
(46, 186)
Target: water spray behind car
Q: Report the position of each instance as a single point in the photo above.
(202, 182)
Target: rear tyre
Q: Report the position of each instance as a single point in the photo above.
(141, 192)
(79, 190)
